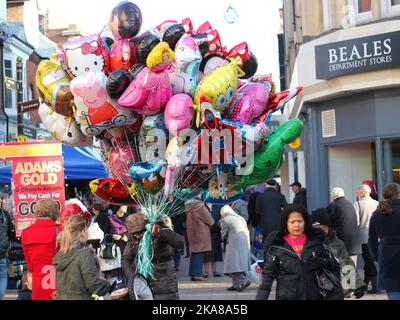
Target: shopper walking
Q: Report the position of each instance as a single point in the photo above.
(292, 255)
(384, 240)
(215, 255)
(344, 222)
(365, 206)
(237, 262)
(198, 223)
(300, 194)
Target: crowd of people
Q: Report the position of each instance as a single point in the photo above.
(297, 248)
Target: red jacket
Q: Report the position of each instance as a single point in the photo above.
(39, 245)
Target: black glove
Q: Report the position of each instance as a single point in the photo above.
(359, 293)
(317, 262)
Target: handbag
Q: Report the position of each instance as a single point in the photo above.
(110, 264)
(328, 283)
(258, 239)
(108, 251)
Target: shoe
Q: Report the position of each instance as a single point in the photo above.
(374, 284)
(244, 286)
(176, 268)
(198, 279)
(187, 255)
(216, 274)
(205, 275)
(233, 288)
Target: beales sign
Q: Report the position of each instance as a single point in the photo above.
(372, 53)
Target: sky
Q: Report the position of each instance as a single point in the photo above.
(258, 21)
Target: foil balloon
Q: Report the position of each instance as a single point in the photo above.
(120, 159)
(270, 156)
(86, 54)
(186, 66)
(220, 192)
(112, 191)
(173, 33)
(153, 137)
(117, 83)
(53, 84)
(123, 55)
(125, 20)
(248, 60)
(63, 128)
(145, 43)
(149, 176)
(179, 113)
(94, 110)
(212, 63)
(151, 89)
(249, 103)
(173, 156)
(218, 88)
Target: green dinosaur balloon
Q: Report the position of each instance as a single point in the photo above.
(270, 156)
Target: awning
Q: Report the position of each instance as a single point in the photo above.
(79, 164)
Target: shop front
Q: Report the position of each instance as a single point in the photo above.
(351, 110)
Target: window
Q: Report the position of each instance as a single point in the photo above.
(390, 8)
(364, 6)
(8, 72)
(359, 11)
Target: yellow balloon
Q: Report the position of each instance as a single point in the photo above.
(53, 82)
(160, 57)
(218, 88)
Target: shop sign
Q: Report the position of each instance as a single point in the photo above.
(359, 55)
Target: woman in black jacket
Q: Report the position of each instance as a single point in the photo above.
(292, 256)
(384, 240)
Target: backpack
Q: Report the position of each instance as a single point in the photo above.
(4, 240)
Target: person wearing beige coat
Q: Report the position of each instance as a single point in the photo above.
(198, 224)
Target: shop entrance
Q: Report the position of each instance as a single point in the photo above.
(391, 160)
(350, 165)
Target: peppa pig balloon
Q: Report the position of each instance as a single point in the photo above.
(86, 54)
(179, 113)
(94, 110)
(125, 20)
(249, 102)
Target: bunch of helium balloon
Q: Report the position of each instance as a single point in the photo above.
(176, 113)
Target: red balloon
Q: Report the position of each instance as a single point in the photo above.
(120, 159)
(123, 55)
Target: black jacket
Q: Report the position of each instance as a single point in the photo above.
(301, 198)
(104, 223)
(268, 211)
(384, 243)
(6, 232)
(251, 209)
(24, 294)
(164, 284)
(295, 280)
(344, 222)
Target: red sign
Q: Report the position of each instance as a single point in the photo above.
(36, 178)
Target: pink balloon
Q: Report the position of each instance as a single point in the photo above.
(148, 93)
(249, 102)
(120, 159)
(179, 113)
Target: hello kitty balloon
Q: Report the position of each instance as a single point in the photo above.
(86, 54)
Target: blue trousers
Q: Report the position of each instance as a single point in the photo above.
(393, 295)
(196, 264)
(3, 277)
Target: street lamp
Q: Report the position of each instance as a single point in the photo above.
(5, 33)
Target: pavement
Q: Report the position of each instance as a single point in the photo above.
(214, 288)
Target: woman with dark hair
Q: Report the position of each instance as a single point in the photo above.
(292, 255)
(384, 240)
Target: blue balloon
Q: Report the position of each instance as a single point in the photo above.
(143, 170)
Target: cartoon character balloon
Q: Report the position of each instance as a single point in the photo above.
(86, 54)
(95, 111)
(153, 137)
(123, 55)
(125, 20)
(186, 66)
(151, 89)
(218, 88)
(179, 113)
(53, 84)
